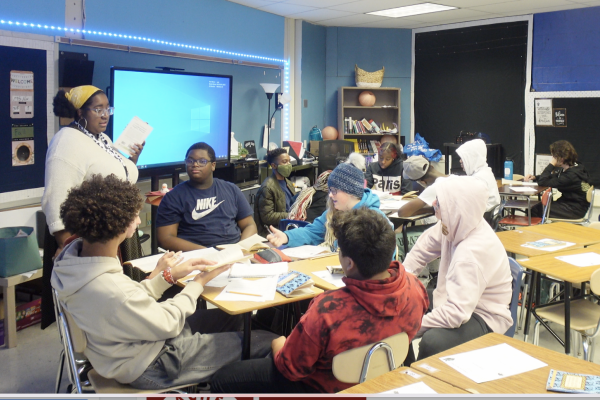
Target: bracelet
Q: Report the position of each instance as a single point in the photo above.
(168, 277)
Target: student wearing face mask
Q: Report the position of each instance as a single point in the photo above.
(419, 169)
(276, 194)
(474, 286)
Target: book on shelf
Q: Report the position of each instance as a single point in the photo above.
(375, 126)
(366, 124)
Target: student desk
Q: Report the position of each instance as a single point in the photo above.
(567, 232)
(319, 264)
(246, 308)
(404, 222)
(514, 240)
(402, 377)
(531, 382)
(512, 199)
(563, 271)
(10, 316)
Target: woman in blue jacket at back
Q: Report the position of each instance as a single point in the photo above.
(346, 191)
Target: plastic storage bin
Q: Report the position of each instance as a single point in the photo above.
(18, 254)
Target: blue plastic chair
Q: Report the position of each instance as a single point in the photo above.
(287, 224)
(517, 276)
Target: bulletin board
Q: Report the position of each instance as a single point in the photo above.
(23, 118)
(582, 130)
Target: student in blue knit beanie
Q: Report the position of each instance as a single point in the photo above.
(346, 191)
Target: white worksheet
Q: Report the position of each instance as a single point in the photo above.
(547, 244)
(581, 260)
(523, 189)
(260, 290)
(334, 279)
(239, 270)
(414, 388)
(507, 361)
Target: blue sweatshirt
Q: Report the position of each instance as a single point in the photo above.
(314, 234)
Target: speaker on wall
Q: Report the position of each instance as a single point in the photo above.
(74, 69)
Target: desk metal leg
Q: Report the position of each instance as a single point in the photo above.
(568, 290)
(405, 238)
(247, 336)
(532, 288)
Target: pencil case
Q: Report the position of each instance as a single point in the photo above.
(294, 283)
(271, 256)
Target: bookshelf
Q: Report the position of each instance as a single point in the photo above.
(386, 111)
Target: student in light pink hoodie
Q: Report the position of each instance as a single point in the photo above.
(474, 283)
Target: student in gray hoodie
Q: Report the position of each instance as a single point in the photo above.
(131, 337)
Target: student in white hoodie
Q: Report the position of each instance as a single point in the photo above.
(474, 285)
(132, 337)
(473, 159)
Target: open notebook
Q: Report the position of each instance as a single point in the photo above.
(250, 244)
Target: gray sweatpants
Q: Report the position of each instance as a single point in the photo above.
(192, 357)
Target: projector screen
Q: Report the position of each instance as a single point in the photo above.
(183, 108)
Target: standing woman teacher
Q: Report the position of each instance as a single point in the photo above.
(75, 153)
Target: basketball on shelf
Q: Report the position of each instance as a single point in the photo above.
(366, 99)
(329, 133)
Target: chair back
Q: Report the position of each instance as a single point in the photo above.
(333, 152)
(368, 362)
(595, 282)
(73, 340)
(546, 201)
(289, 224)
(494, 216)
(517, 276)
(590, 198)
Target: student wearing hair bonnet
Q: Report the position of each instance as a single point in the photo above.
(75, 153)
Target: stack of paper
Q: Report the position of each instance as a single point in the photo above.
(524, 189)
(147, 264)
(302, 252)
(260, 290)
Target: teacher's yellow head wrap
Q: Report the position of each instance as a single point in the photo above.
(80, 94)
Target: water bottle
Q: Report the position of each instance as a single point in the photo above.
(508, 169)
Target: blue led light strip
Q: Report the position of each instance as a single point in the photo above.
(138, 38)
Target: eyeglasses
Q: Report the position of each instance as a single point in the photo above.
(102, 111)
(201, 162)
(333, 191)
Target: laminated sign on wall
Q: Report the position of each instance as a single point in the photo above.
(22, 144)
(21, 94)
(543, 112)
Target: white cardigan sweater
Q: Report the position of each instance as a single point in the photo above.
(72, 158)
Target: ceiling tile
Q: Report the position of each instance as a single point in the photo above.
(352, 20)
(374, 5)
(397, 23)
(253, 3)
(450, 15)
(320, 15)
(470, 3)
(527, 5)
(544, 10)
(285, 9)
(319, 3)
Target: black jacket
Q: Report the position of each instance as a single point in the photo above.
(572, 183)
(387, 180)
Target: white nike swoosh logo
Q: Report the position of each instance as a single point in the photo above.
(197, 215)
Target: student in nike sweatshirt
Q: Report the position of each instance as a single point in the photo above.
(346, 192)
(474, 285)
(130, 336)
(203, 211)
(385, 175)
(379, 300)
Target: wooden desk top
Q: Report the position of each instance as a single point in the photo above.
(514, 240)
(567, 232)
(399, 378)
(529, 382)
(506, 190)
(319, 264)
(564, 271)
(241, 307)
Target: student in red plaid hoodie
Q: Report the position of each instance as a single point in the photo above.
(379, 300)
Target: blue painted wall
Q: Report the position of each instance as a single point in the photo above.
(313, 77)
(566, 50)
(33, 11)
(370, 48)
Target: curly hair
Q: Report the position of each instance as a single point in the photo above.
(62, 107)
(273, 154)
(565, 150)
(367, 237)
(203, 146)
(101, 208)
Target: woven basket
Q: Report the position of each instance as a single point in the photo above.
(368, 79)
